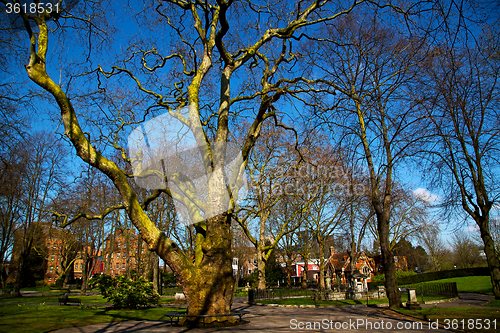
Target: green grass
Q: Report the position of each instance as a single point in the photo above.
(494, 303)
(86, 300)
(52, 299)
(46, 318)
(470, 284)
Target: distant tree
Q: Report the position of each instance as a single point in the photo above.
(367, 64)
(270, 172)
(459, 95)
(439, 255)
(466, 251)
(274, 271)
(416, 257)
(41, 182)
(11, 195)
(287, 245)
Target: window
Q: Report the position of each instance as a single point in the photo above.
(50, 279)
(117, 256)
(81, 266)
(123, 266)
(53, 257)
(117, 265)
(51, 270)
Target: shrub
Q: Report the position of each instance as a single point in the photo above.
(59, 283)
(251, 279)
(124, 292)
(169, 279)
(40, 283)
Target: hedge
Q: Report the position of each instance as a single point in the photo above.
(431, 276)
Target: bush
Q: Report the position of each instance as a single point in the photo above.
(9, 285)
(380, 279)
(59, 283)
(251, 279)
(169, 279)
(40, 283)
(124, 292)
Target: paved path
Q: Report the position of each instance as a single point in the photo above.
(277, 319)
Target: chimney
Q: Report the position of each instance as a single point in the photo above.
(332, 251)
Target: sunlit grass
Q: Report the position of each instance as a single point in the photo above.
(470, 284)
(46, 318)
(86, 300)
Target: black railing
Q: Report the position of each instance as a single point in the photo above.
(442, 289)
(256, 294)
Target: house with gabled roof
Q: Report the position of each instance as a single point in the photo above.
(338, 268)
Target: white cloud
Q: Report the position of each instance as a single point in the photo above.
(426, 195)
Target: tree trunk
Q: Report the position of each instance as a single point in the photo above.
(156, 280)
(304, 275)
(237, 276)
(209, 286)
(322, 268)
(138, 256)
(261, 269)
(491, 254)
(391, 287)
(303, 280)
(289, 273)
(85, 261)
(19, 274)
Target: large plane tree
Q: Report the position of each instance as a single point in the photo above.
(222, 59)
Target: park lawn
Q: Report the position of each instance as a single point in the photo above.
(469, 284)
(46, 318)
(86, 300)
(494, 303)
(53, 299)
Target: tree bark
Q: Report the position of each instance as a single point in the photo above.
(391, 287)
(209, 286)
(261, 269)
(322, 267)
(491, 253)
(289, 273)
(156, 270)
